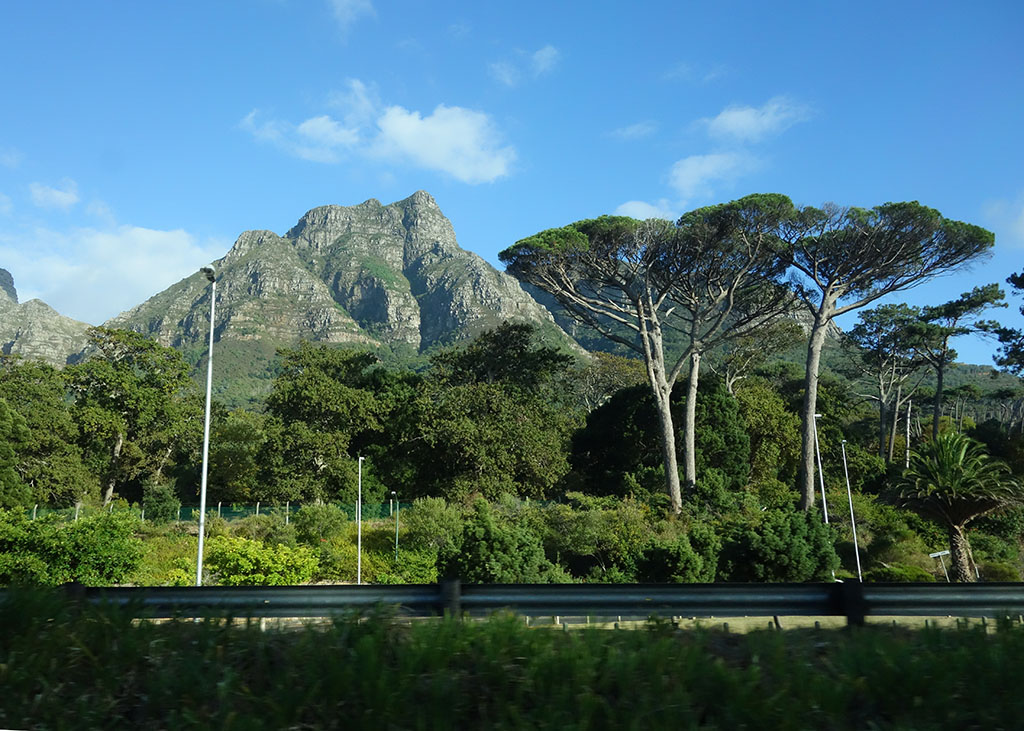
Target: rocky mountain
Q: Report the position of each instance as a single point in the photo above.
(380, 275)
(33, 329)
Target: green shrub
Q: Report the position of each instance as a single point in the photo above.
(999, 571)
(502, 553)
(269, 528)
(235, 561)
(777, 545)
(160, 502)
(317, 523)
(896, 572)
(431, 524)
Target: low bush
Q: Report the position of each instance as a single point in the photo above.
(161, 503)
(235, 561)
(895, 573)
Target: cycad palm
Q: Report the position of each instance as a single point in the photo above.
(952, 480)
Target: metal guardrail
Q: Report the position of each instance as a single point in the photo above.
(852, 600)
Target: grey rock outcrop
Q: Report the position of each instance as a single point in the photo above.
(33, 329)
(372, 274)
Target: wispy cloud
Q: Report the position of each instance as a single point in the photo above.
(642, 210)
(347, 12)
(544, 60)
(538, 63)
(1006, 217)
(505, 73)
(63, 198)
(92, 274)
(463, 143)
(636, 131)
(688, 73)
(10, 157)
(753, 124)
(697, 176)
(6, 206)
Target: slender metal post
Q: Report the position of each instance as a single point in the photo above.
(906, 449)
(397, 510)
(853, 521)
(208, 271)
(821, 475)
(359, 526)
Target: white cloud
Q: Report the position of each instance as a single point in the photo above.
(641, 210)
(636, 131)
(752, 124)
(347, 12)
(696, 175)
(678, 72)
(504, 73)
(10, 158)
(1006, 218)
(544, 60)
(44, 196)
(463, 143)
(6, 206)
(92, 274)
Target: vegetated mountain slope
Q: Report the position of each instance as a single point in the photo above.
(369, 274)
(33, 329)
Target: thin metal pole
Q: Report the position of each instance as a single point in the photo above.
(853, 521)
(359, 526)
(397, 510)
(906, 450)
(206, 434)
(821, 475)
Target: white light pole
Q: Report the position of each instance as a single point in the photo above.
(211, 276)
(359, 526)
(821, 475)
(394, 496)
(853, 522)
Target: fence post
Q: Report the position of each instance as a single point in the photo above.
(851, 597)
(257, 507)
(451, 597)
(218, 508)
(77, 507)
(287, 510)
(34, 507)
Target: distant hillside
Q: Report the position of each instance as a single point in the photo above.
(34, 329)
(369, 275)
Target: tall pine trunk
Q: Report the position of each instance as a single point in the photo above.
(690, 424)
(810, 405)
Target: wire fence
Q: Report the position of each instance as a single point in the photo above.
(227, 511)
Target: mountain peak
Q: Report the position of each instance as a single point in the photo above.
(7, 286)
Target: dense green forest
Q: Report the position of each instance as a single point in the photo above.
(516, 461)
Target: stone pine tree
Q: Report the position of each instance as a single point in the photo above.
(940, 324)
(1011, 340)
(952, 480)
(846, 258)
(887, 358)
(711, 276)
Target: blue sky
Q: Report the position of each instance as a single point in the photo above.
(138, 139)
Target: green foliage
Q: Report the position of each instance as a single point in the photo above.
(898, 573)
(268, 528)
(433, 526)
(98, 550)
(236, 561)
(494, 551)
(777, 545)
(315, 524)
(13, 433)
(160, 502)
(620, 443)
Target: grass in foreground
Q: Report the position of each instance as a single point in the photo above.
(96, 668)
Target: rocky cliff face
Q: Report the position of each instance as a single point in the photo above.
(372, 273)
(34, 329)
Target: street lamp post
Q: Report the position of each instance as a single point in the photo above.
(394, 496)
(821, 475)
(212, 277)
(853, 521)
(359, 526)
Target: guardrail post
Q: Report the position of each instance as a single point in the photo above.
(855, 608)
(451, 597)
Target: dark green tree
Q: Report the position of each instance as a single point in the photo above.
(132, 407)
(847, 258)
(938, 325)
(1011, 340)
(888, 359)
(13, 434)
(709, 278)
(49, 459)
(953, 481)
